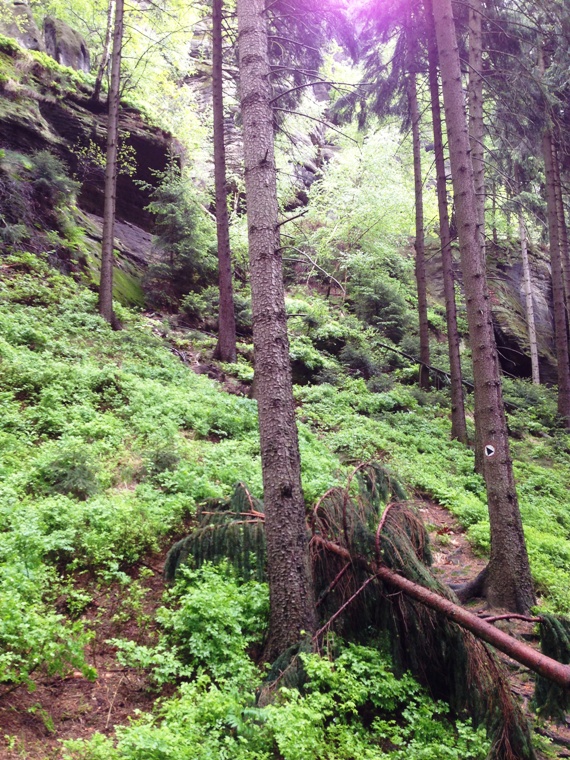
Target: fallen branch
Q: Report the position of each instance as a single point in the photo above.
(437, 370)
(509, 616)
(539, 663)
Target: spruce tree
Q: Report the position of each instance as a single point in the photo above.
(292, 606)
(458, 424)
(507, 581)
(226, 347)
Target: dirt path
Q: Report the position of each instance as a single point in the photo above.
(455, 562)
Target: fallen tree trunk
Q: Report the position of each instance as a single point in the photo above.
(522, 653)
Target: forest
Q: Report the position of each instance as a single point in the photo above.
(284, 380)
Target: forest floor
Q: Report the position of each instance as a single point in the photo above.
(33, 724)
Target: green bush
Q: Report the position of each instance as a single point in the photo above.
(208, 626)
(381, 304)
(32, 637)
(185, 258)
(350, 706)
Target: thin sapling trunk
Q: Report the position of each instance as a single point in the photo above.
(226, 348)
(106, 282)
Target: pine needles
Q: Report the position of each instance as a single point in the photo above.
(231, 531)
(451, 662)
(353, 531)
(553, 701)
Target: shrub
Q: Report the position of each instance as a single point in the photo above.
(358, 359)
(184, 245)
(381, 305)
(209, 625)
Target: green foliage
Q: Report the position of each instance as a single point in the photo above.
(32, 636)
(9, 46)
(185, 259)
(551, 700)
(411, 432)
(350, 706)
(226, 531)
(329, 717)
(202, 308)
(208, 626)
(37, 201)
(380, 304)
(107, 442)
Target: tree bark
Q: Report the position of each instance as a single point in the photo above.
(563, 229)
(420, 263)
(292, 606)
(528, 301)
(226, 347)
(458, 425)
(508, 582)
(107, 260)
(105, 53)
(559, 306)
(476, 126)
(539, 663)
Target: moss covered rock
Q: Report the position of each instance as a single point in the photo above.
(17, 22)
(65, 44)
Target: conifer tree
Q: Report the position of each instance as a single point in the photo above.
(458, 424)
(420, 263)
(560, 323)
(226, 347)
(292, 606)
(476, 126)
(507, 581)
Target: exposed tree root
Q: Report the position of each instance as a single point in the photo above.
(472, 589)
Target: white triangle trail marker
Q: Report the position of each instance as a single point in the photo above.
(489, 450)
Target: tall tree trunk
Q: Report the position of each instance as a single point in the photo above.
(226, 348)
(106, 283)
(528, 301)
(458, 425)
(563, 229)
(560, 328)
(105, 53)
(476, 127)
(476, 135)
(420, 261)
(292, 606)
(508, 581)
(494, 212)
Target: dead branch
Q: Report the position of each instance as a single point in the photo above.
(539, 663)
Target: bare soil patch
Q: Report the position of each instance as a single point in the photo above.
(33, 724)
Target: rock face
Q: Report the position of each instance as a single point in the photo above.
(65, 44)
(18, 22)
(509, 312)
(52, 110)
(506, 287)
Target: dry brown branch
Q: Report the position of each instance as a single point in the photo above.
(539, 663)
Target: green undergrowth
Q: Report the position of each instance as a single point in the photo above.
(38, 70)
(348, 703)
(107, 443)
(410, 430)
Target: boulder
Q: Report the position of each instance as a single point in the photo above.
(65, 44)
(18, 22)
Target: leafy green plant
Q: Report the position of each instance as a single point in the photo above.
(208, 626)
(349, 706)
(184, 259)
